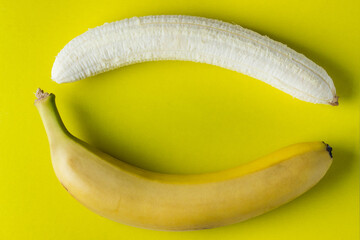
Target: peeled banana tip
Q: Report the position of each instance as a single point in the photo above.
(334, 102)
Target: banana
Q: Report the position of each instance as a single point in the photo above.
(196, 39)
(141, 198)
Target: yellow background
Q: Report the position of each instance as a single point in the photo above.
(176, 117)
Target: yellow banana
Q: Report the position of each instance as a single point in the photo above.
(141, 198)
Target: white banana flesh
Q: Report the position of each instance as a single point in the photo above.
(197, 39)
(141, 198)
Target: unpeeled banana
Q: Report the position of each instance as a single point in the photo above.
(197, 39)
(137, 197)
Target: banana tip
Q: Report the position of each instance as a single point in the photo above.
(335, 101)
(40, 94)
(329, 149)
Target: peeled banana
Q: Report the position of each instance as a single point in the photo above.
(141, 198)
(196, 39)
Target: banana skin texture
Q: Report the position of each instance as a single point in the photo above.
(137, 197)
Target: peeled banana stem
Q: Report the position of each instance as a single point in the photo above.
(141, 198)
(196, 39)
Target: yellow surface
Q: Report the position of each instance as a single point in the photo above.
(176, 117)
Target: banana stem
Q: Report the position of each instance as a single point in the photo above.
(54, 126)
